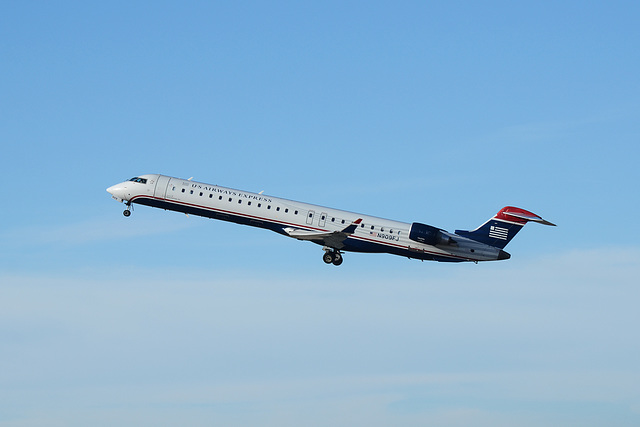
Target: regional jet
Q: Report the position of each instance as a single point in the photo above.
(337, 231)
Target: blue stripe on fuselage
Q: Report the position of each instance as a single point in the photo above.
(352, 244)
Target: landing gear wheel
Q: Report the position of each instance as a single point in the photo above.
(332, 256)
(126, 213)
(337, 258)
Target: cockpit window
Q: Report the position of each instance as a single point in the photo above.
(140, 180)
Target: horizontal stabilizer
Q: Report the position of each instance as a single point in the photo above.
(500, 229)
(528, 216)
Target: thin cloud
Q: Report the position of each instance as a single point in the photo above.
(535, 339)
(91, 231)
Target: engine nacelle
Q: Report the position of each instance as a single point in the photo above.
(429, 235)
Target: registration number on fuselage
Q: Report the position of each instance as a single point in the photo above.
(385, 236)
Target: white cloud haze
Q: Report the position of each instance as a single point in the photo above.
(549, 341)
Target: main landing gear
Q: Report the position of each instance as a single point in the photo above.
(127, 212)
(332, 256)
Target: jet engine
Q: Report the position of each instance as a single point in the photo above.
(429, 235)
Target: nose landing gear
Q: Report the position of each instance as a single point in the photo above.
(127, 212)
(332, 256)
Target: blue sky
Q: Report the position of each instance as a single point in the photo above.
(439, 113)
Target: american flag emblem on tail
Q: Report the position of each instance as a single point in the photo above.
(498, 232)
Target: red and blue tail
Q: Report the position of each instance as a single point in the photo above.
(500, 229)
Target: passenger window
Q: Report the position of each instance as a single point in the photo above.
(191, 192)
(372, 227)
(268, 206)
(201, 194)
(219, 197)
(183, 190)
(286, 211)
(278, 209)
(210, 196)
(259, 205)
(295, 213)
(230, 199)
(239, 201)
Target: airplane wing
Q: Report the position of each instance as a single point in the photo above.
(332, 239)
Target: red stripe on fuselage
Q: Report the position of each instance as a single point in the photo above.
(274, 221)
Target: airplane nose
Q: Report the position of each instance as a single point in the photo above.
(117, 191)
(113, 189)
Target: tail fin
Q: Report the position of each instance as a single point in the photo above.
(500, 229)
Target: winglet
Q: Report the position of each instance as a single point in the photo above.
(351, 228)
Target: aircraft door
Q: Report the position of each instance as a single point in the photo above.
(323, 218)
(171, 189)
(161, 187)
(310, 217)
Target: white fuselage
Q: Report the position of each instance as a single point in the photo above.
(287, 217)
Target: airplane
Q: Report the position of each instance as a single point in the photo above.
(337, 231)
